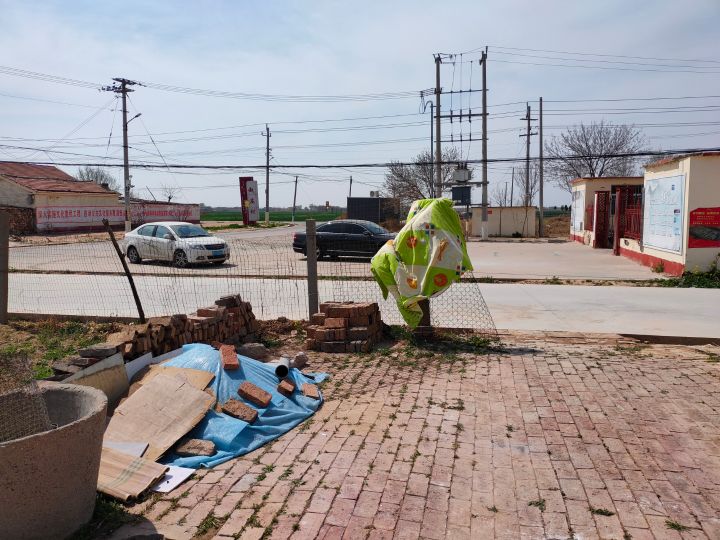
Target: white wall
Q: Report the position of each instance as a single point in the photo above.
(513, 219)
(11, 194)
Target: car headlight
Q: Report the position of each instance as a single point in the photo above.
(197, 246)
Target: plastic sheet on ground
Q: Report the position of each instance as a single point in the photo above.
(234, 437)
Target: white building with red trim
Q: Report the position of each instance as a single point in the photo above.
(54, 201)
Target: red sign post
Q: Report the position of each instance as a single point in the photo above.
(248, 200)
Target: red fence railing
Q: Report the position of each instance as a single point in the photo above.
(633, 222)
(589, 217)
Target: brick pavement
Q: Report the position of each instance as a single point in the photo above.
(555, 437)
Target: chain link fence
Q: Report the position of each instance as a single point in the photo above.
(85, 277)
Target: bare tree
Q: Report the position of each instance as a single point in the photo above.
(593, 150)
(523, 198)
(99, 176)
(500, 195)
(170, 192)
(416, 181)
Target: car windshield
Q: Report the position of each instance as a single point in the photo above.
(189, 231)
(375, 229)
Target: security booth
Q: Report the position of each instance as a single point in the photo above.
(680, 218)
(595, 215)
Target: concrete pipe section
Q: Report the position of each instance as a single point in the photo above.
(48, 480)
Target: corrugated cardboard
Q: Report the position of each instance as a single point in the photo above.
(124, 476)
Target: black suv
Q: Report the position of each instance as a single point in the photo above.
(345, 237)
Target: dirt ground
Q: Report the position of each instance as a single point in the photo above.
(557, 226)
(545, 436)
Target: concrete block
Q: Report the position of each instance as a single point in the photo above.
(101, 350)
(257, 351)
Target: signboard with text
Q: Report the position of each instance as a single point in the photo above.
(704, 228)
(249, 200)
(50, 218)
(663, 216)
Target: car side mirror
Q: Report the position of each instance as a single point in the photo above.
(168, 236)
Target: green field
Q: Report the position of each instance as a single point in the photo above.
(274, 216)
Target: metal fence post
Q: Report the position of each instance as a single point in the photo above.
(138, 304)
(311, 253)
(4, 265)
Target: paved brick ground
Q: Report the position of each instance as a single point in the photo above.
(556, 437)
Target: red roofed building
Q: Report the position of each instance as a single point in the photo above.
(54, 200)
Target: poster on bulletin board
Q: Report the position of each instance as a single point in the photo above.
(663, 216)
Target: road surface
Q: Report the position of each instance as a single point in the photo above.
(635, 310)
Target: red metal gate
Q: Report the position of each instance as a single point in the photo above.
(602, 219)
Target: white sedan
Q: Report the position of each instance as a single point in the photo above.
(176, 241)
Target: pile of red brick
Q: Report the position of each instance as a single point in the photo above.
(344, 327)
(230, 320)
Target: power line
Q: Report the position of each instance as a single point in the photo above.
(604, 55)
(648, 153)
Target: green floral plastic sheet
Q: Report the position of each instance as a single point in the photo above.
(426, 257)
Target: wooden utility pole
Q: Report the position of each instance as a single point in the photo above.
(512, 188)
(350, 192)
(438, 137)
(4, 265)
(266, 134)
(541, 171)
(294, 199)
(123, 90)
(484, 227)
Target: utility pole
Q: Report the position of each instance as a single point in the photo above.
(294, 199)
(123, 90)
(512, 188)
(350, 193)
(266, 134)
(438, 137)
(527, 134)
(542, 171)
(484, 227)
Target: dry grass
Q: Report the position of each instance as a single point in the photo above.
(557, 226)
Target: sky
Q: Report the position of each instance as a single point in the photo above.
(568, 52)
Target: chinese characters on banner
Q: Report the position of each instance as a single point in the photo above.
(68, 217)
(704, 228)
(249, 200)
(663, 216)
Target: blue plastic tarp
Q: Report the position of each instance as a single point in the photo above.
(234, 437)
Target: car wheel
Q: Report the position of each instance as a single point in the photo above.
(133, 255)
(180, 259)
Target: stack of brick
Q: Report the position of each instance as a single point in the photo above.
(230, 320)
(344, 327)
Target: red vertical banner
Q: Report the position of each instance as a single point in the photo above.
(248, 200)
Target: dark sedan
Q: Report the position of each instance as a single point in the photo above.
(345, 237)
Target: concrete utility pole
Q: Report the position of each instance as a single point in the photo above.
(266, 134)
(123, 90)
(542, 172)
(438, 137)
(294, 199)
(350, 192)
(484, 227)
(512, 188)
(527, 134)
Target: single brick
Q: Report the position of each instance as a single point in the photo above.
(286, 387)
(340, 311)
(311, 391)
(333, 346)
(195, 447)
(311, 345)
(238, 409)
(229, 358)
(318, 318)
(335, 322)
(361, 320)
(325, 334)
(358, 333)
(256, 395)
(210, 311)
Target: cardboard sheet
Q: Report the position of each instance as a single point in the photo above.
(108, 375)
(124, 476)
(159, 412)
(196, 377)
(130, 448)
